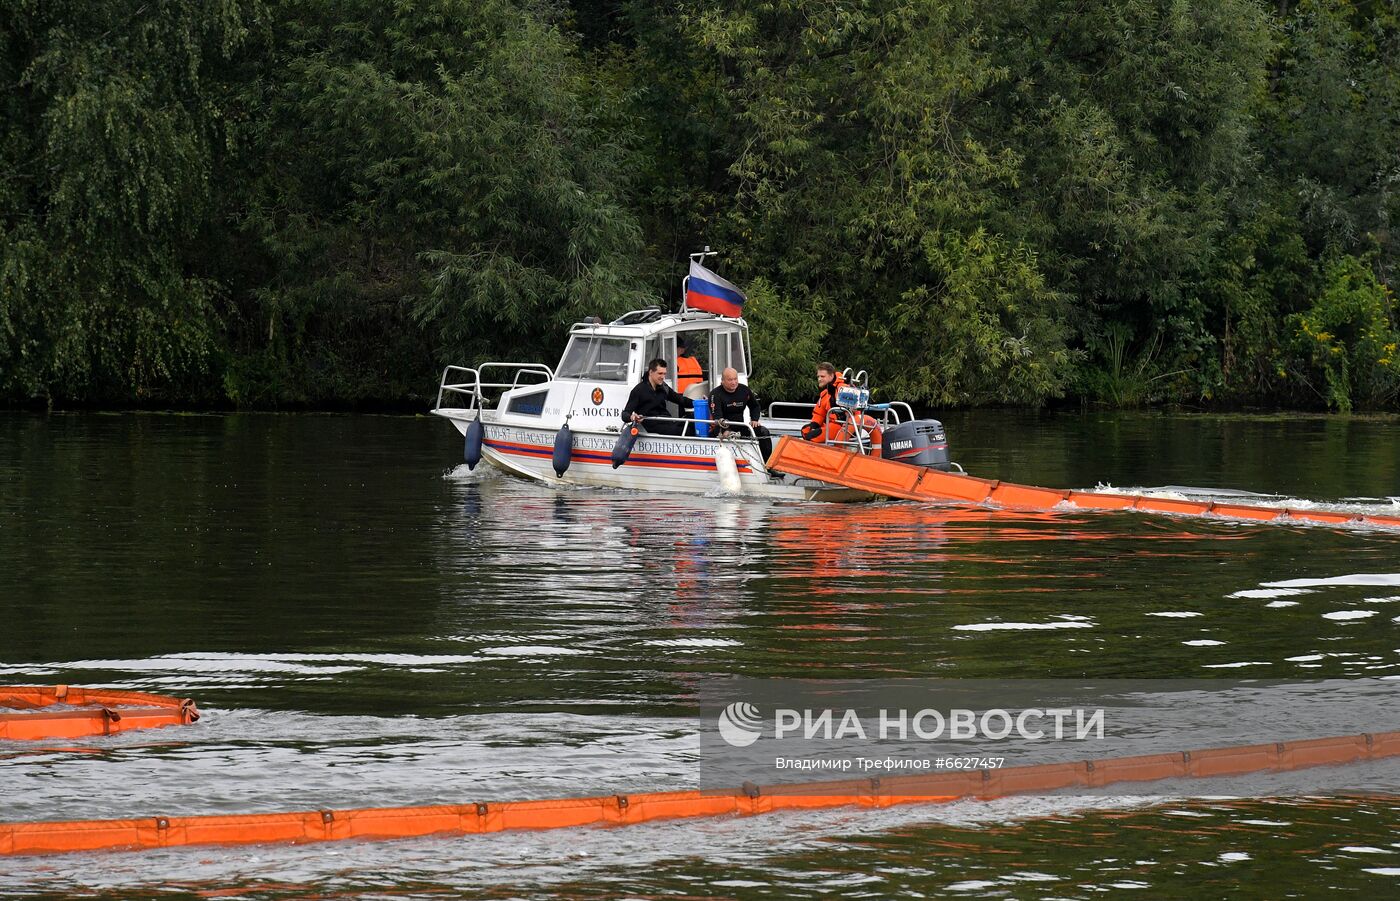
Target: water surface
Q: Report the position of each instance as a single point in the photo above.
(366, 623)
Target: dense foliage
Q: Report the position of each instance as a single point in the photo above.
(272, 202)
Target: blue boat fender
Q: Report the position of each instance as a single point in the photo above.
(563, 450)
(623, 448)
(471, 452)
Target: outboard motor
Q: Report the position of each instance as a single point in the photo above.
(921, 442)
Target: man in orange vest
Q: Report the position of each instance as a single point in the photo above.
(688, 371)
(820, 428)
(836, 428)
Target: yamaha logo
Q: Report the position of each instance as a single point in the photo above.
(597, 396)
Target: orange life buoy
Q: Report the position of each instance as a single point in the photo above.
(845, 431)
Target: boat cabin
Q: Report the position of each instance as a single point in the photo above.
(602, 362)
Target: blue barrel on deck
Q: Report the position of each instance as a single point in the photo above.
(701, 406)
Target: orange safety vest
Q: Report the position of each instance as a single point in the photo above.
(825, 401)
(837, 429)
(688, 373)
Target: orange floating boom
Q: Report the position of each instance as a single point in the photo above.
(87, 711)
(917, 483)
(623, 810)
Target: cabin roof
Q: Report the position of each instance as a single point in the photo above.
(652, 321)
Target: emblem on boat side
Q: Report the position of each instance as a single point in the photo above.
(597, 396)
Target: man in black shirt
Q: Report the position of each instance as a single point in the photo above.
(728, 402)
(649, 397)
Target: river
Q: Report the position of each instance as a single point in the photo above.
(364, 622)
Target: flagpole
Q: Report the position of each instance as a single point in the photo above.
(685, 282)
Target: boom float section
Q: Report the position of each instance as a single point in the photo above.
(86, 711)
(623, 810)
(917, 483)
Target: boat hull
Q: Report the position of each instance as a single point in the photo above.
(657, 463)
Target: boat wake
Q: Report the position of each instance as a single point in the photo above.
(1356, 506)
(464, 473)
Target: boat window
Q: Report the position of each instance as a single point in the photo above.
(720, 357)
(735, 340)
(528, 404)
(595, 359)
(697, 342)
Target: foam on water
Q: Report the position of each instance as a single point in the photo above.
(199, 663)
(1268, 592)
(533, 651)
(1352, 506)
(463, 473)
(1066, 622)
(1353, 579)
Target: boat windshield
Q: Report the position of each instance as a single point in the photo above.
(595, 359)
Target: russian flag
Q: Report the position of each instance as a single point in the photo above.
(709, 293)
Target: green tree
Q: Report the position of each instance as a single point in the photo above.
(1321, 187)
(276, 201)
(437, 180)
(1131, 120)
(786, 342)
(112, 125)
(861, 192)
(1348, 340)
(1331, 125)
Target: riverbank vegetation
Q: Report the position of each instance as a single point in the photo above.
(275, 203)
